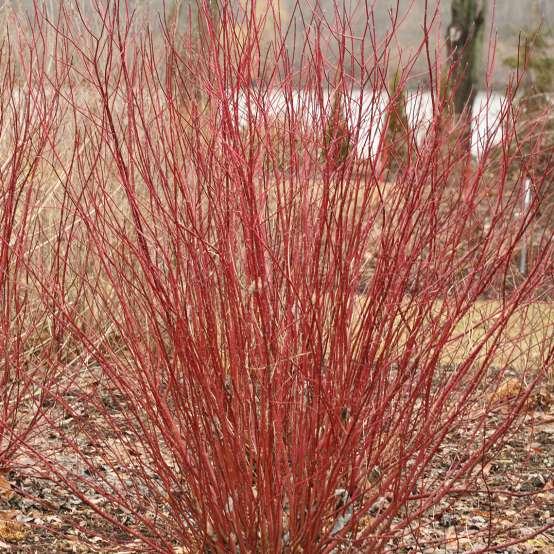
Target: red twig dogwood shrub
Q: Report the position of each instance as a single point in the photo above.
(29, 125)
(284, 332)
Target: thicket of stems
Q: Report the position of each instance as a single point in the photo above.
(275, 312)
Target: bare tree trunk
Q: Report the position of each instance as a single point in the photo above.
(464, 39)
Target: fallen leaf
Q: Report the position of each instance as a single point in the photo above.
(6, 492)
(484, 469)
(508, 390)
(8, 515)
(366, 521)
(540, 543)
(12, 531)
(511, 390)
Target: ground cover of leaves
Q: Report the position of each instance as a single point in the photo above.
(512, 496)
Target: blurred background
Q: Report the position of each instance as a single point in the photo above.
(504, 20)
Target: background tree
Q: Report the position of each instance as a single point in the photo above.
(464, 39)
(397, 133)
(535, 60)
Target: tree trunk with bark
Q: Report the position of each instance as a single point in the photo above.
(464, 39)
